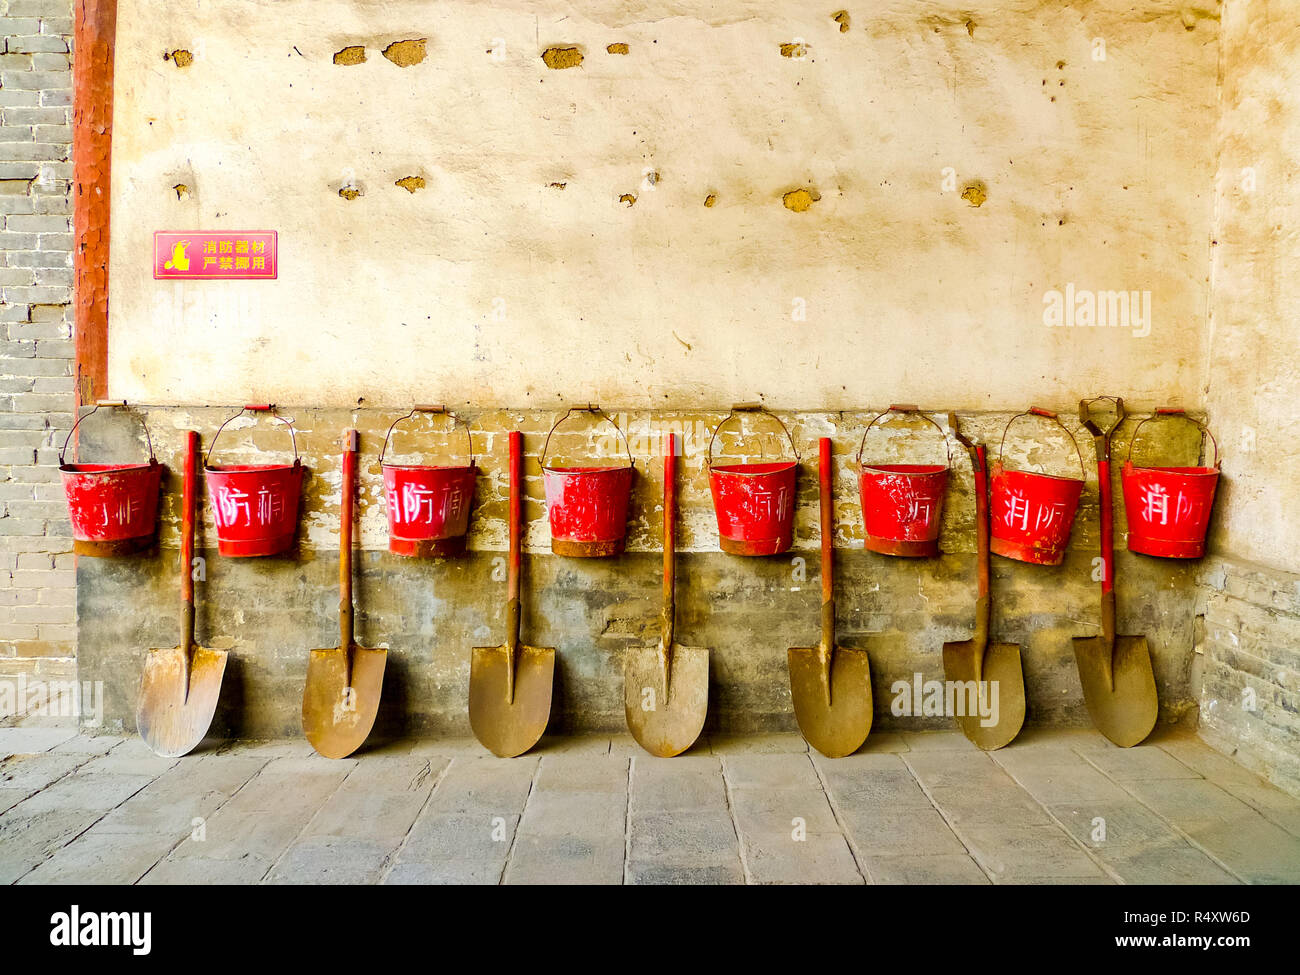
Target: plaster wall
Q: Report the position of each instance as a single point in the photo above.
(618, 230)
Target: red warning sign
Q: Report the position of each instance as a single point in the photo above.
(214, 255)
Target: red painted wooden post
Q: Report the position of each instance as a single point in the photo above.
(95, 31)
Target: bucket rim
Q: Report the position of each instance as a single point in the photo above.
(1002, 471)
(147, 467)
(777, 467)
(250, 468)
(1196, 471)
(429, 467)
(604, 469)
(921, 469)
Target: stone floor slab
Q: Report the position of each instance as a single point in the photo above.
(1028, 854)
(1145, 764)
(771, 771)
(878, 830)
(676, 784)
(820, 858)
(945, 869)
(655, 872)
(565, 859)
(777, 810)
(31, 741)
(694, 837)
(773, 744)
(1078, 783)
(331, 860)
(1171, 864)
(102, 858)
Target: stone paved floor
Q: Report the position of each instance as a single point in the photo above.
(1054, 807)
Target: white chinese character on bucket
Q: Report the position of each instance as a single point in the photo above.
(1155, 505)
(229, 502)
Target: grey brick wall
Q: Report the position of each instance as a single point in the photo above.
(37, 579)
(1250, 681)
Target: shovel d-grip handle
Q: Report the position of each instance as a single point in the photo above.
(1105, 505)
(825, 494)
(1178, 412)
(596, 411)
(904, 409)
(258, 408)
(114, 404)
(347, 493)
(1047, 415)
(438, 410)
(739, 408)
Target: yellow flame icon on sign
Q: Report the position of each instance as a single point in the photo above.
(179, 261)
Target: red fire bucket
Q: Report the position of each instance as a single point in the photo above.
(902, 504)
(1032, 513)
(587, 506)
(1168, 508)
(428, 506)
(113, 507)
(255, 506)
(754, 502)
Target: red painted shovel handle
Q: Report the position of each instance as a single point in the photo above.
(516, 514)
(189, 485)
(827, 518)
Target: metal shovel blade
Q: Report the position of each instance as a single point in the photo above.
(503, 726)
(666, 721)
(840, 726)
(1000, 713)
(335, 717)
(1126, 713)
(172, 722)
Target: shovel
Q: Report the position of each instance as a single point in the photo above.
(510, 685)
(666, 686)
(180, 686)
(1119, 686)
(830, 685)
(989, 675)
(341, 697)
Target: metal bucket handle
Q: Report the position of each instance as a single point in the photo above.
(256, 408)
(751, 408)
(904, 409)
(108, 404)
(1048, 414)
(1177, 411)
(439, 410)
(597, 411)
